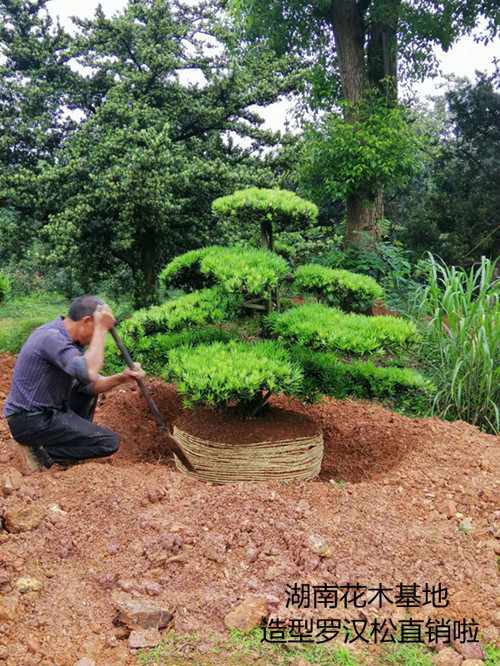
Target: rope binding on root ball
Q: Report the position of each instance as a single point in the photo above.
(220, 462)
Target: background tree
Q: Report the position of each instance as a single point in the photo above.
(35, 90)
(377, 150)
(357, 46)
(167, 89)
(452, 208)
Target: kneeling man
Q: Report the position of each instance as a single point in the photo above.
(55, 384)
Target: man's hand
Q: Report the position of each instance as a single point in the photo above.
(103, 317)
(94, 356)
(133, 374)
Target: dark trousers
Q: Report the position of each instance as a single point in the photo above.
(65, 435)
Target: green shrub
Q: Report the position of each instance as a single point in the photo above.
(462, 342)
(219, 374)
(4, 287)
(272, 209)
(207, 306)
(377, 147)
(324, 373)
(236, 270)
(152, 351)
(349, 291)
(386, 262)
(323, 328)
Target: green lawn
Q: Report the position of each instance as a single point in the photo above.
(21, 314)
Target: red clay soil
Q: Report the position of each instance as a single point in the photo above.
(276, 425)
(406, 484)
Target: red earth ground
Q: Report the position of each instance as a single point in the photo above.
(392, 494)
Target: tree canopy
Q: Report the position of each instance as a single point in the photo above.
(271, 209)
(132, 183)
(354, 47)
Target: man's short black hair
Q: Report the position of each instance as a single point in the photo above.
(83, 306)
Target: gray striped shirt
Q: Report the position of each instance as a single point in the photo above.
(45, 370)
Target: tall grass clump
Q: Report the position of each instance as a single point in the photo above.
(462, 345)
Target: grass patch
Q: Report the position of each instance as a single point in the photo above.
(21, 315)
(407, 655)
(492, 655)
(247, 649)
(243, 649)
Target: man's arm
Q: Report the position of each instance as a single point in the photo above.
(94, 356)
(103, 384)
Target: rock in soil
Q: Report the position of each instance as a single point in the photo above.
(472, 662)
(144, 638)
(247, 615)
(23, 519)
(448, 657)
(152, 588)
(140, 613)
(84, 661)
(215, 549)
(319, 546)
(8, 607)
(27, 584)
(469, 650)
(10, 481)
(466, 525)
(449, 508)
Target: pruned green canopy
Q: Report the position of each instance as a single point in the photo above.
(273, 209)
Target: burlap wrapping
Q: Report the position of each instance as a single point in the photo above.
(220, 462)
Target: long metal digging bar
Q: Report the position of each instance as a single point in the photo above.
(162, 424)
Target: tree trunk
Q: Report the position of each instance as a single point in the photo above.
(382, 51)
(144, 289)
(266, 235)
(348, 30)
(145, 293)
(349, 33)
(362, 217)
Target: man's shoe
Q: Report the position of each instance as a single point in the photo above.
(33, 462)
(37, 458)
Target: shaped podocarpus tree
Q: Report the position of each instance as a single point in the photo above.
(271, 209)
(221, 371)
(201, 340)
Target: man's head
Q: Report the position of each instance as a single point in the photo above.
(80, 320)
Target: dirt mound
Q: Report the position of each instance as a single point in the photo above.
(390, 504)
(126, 412)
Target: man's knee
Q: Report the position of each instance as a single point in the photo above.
(110, 443)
